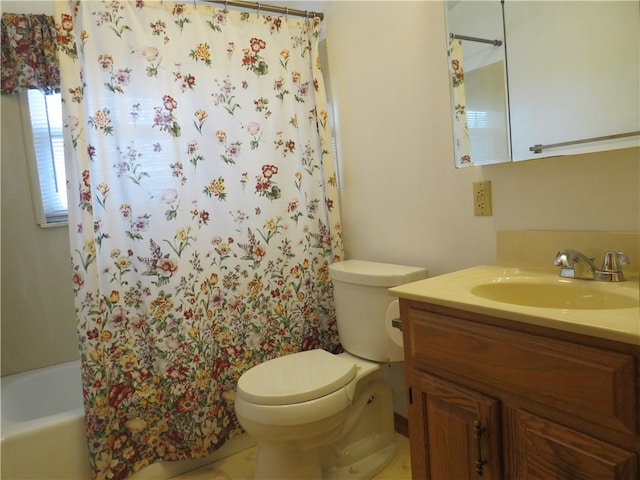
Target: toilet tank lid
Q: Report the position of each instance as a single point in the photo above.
(375, 274)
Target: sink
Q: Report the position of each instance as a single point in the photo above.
(557, 295)
(539, 296)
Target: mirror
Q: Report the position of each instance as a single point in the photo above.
(572, 70)
(581, 78)
(477, 72)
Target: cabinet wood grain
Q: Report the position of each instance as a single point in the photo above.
(552, 405)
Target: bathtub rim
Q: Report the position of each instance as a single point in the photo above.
(9, 428)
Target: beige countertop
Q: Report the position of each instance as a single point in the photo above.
(455, 290)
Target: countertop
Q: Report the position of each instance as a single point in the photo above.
(454, 290)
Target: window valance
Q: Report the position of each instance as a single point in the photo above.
(29, 58)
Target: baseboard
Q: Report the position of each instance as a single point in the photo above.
(401, 424)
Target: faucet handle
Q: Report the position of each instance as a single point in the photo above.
(613, 260)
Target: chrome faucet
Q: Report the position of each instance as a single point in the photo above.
(610, 271)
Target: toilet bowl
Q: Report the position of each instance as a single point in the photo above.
(310, 430)
(315, 414)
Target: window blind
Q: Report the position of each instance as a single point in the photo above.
(45, 113)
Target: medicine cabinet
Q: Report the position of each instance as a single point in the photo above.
(543, 78)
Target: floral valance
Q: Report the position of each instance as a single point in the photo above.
(29, 58)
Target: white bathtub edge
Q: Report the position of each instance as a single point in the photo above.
(16, 429)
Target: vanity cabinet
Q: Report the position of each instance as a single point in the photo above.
(493, 398)
(454, 424)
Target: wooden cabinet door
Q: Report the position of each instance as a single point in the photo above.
(454, 431)
(538, 449)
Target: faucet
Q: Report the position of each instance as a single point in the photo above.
(610, 271)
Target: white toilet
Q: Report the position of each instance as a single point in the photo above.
(319, 415)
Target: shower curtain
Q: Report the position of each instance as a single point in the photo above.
(203, 215)
(462, 152)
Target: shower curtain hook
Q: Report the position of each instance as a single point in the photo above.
(258, 3)
(286, 13)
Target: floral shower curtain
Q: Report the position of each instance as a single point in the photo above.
(203, 215)
(460, 128)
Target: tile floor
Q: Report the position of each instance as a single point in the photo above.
(240, 466)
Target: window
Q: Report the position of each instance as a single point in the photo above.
(477, 119)
(48, 173)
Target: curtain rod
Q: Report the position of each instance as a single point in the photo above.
(269, 8)
(495, 43)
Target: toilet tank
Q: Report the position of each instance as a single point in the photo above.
(360, 292)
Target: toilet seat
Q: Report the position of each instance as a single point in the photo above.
(296, 378)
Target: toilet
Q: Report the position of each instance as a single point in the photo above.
(315, 414)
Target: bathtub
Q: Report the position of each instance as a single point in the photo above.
(42, 424)
(42, 430)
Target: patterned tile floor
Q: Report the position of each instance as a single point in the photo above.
(240, 466)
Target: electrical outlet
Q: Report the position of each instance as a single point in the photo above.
(482, 199)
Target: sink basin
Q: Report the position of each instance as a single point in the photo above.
(553, 295)
(537, 296)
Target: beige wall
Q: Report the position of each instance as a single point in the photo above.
(402, 200)
(38, 326)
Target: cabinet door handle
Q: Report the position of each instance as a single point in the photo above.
(478, 430)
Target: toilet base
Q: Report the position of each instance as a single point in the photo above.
(365, 468)
(285, 461)
(290, 463)
(370, 444)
